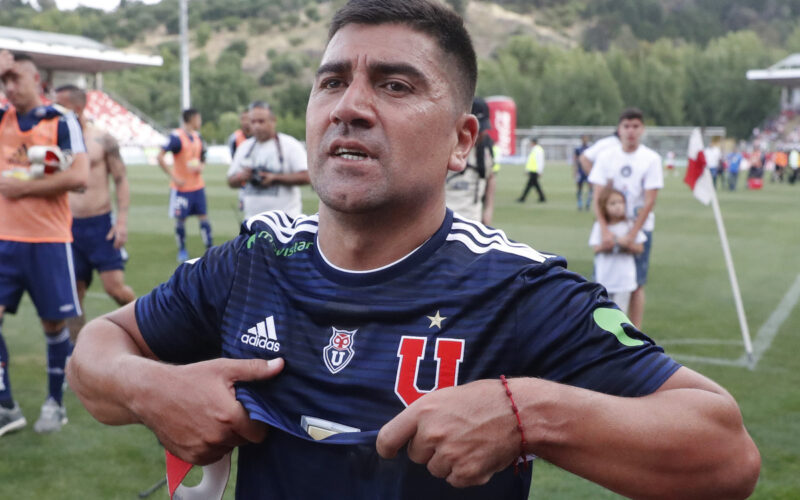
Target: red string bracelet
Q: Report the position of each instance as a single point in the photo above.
(519, 427)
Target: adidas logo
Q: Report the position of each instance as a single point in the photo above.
(263, 335)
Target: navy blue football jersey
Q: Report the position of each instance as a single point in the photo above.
(359, 347)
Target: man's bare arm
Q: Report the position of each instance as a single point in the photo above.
(73, 178)
(650, 196)
(121, 190)
(686, 440)
(191, 408)
(162, 162)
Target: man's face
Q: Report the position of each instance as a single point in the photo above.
(244, 123)
(262, 124)
(63, 99)
(630, 132)
(21, 84)
(196, 121)
(382, 125)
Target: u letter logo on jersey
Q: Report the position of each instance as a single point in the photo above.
(449, 354)
(339, 351)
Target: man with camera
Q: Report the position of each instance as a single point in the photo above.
(270, 166)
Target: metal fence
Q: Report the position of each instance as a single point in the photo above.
(559, 143)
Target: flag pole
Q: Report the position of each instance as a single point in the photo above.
(737, 296)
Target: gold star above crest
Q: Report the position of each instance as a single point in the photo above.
(436, 320)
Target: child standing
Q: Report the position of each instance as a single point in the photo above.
(614, 266)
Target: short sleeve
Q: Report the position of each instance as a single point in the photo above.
(173, 144)
(595, 237)
(579, 337)
(236, 160)
(298, 160)
(180, 319)
(598, 174)
(641, 237)
(70, 135)
(654, 177)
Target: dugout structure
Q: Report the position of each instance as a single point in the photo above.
(64, 59)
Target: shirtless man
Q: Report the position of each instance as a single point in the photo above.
(98, 238)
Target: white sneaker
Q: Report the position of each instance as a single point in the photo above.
(51, 419)
(11, 419)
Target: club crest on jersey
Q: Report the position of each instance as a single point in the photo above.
(339, 350)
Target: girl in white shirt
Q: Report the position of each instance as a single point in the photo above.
(614, 266)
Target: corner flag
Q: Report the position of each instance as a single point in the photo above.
(697, 175)
(699, 179)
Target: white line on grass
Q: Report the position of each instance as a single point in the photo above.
(764, 338)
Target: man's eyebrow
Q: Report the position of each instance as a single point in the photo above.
(389, 68)
(334, 67)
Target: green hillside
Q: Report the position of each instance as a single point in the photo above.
(564, 62)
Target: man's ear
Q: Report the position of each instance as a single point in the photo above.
(466, 134)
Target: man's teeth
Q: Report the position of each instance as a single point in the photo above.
(350, 154)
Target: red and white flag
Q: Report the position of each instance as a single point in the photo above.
(697, 175)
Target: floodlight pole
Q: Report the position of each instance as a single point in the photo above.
(186, 98)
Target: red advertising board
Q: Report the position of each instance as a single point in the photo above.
(503, 115)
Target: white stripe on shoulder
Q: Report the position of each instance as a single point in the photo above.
(481, 239)
(282, 227)
(75, 133)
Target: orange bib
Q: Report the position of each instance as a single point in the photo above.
(33, 219)
(189, 155)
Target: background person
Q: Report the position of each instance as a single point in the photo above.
(187, 187)
(35, 236)
(270, 167)
(581, 177)
(614, 265)
(535, 168)
(470, 192)
(98, 235)
(635, 170)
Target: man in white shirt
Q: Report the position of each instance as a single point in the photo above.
(713, 159)
(270, 166)
(590, 154)
(635, 170)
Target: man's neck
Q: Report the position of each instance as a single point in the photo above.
(630, 148)
(361, 242)
(266, 140)
(188, 128)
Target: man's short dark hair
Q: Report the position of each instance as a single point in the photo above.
(426, 16)
(259, 105)
(631, 114)
(76, 94)
(19, 57)
(189, 113)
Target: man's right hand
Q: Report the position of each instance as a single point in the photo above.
(6, 61)
(607, 243)
(195, 414)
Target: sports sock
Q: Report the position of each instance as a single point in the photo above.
(58, 348)
(6, 400)
(205, 231)
(180, 235)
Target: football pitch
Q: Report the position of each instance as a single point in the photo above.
(690, 311)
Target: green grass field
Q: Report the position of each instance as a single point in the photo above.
(690, 311)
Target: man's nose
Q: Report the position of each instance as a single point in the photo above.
(356, 106)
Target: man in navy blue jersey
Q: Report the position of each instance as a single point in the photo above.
(369, 339)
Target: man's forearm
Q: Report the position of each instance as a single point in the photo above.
(678, 443)
(106, 387)
(123, 194)
(73, 178)
(641, 217)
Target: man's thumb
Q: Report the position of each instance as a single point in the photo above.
(252, 369)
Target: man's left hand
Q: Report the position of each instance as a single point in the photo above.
(119, 234)
(627, 241)
(464, 434)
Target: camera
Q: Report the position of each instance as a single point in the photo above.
(257, 176)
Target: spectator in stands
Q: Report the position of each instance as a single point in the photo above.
(187, 195)
(270, 166)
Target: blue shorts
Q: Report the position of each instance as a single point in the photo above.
(45, 271)
(643, 260)
(91, 250)
(182, 204)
